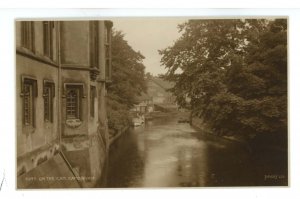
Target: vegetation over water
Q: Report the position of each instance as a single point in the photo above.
(234, 72)
(128, 82)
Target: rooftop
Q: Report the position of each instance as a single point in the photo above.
(162, 83)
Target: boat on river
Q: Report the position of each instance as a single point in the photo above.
(138, 121)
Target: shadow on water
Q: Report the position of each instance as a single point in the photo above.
(164, 153)
(125, 165)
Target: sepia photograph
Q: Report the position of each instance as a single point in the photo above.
(152, 102)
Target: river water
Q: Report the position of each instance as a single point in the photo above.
(165, 153)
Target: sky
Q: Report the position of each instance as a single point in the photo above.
(148, 35)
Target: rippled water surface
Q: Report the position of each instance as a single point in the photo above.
(164, 153)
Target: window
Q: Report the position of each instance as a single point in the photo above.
(107, 69)
(74, 93)
(108, 26)
(48, 38)
(27, 35)
(73, 103)
(94, 35)
(49, 92)
(29, 93)
(28, 104)
(92, 100)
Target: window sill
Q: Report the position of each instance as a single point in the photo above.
(48, 122)
(105, 80)
(73, 123)
(29, 129)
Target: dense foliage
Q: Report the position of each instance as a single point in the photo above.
(128, 81)
(234, 72)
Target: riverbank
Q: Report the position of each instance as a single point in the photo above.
(198, 124)
(260, 143)
(114, 136)
(157, 115)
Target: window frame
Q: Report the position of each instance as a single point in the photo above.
(28, 112)
(93, 95)
(48, 48)
(107, 43)
(27, 35)
(48, 94)
(94, 44)
(79, 88)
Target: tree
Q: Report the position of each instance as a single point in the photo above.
(202, 53)
(128, 81)
(261, 81)
(234, 71)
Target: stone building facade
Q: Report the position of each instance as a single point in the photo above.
(62, 68)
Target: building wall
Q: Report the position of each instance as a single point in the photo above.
(39, 142)
(83, 145)
(159, 94)
(101, 89)
(69, 77)
(93, 120)
(28, 138)
(74, 43)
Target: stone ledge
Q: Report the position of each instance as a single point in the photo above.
(31, 160)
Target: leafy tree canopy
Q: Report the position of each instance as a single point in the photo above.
(128, 71)
(128, 81)
(234, 72)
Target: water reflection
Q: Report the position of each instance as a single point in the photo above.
(165, 153)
